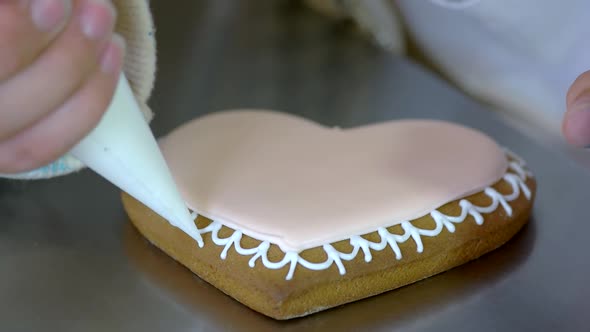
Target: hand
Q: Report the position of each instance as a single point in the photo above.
(59, 65)
(576, 122)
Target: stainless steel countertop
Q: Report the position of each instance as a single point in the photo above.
(71, 261)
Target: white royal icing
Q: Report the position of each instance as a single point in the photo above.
(515, 176)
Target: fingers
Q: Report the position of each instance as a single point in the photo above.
(26, 29)
(56, 134)
(63, 67)
(576, 122)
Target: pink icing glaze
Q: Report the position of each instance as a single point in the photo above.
(299, 185)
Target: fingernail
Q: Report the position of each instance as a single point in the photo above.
(582, 103)
(577, 122)
(49, 14)
(97, 19)
(111, 59)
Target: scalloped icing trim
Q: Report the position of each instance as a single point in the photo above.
(516, 176)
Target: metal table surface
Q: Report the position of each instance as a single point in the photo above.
(70, 261)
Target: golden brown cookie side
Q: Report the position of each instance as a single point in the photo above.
(268, 292)
(412, 268)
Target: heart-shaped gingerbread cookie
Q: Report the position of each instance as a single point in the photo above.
(297, 217)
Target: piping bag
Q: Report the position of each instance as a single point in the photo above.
(123, 150)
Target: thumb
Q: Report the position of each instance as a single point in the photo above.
(576, 122)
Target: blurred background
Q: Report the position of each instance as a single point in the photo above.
(516, 60)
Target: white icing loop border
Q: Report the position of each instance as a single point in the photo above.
(515, 176)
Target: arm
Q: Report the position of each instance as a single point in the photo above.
(58, 73)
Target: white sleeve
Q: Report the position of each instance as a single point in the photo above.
(135, 24)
